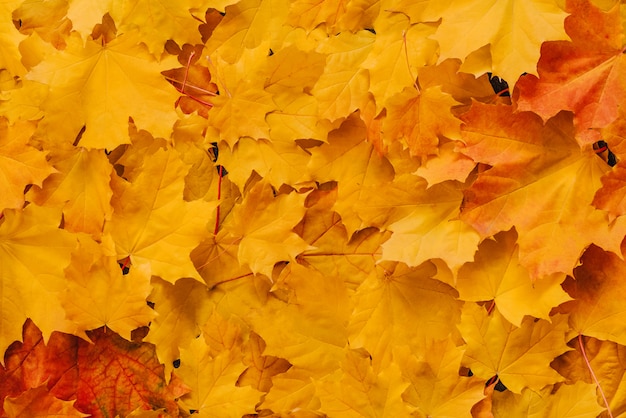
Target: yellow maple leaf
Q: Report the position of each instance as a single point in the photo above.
(366, 170)
(606, 359)
(343, 87)
(426, 225)
(307, 326)
(20, 163)
(151, 223)
(520, 357)
(261, 368)
(171, 20)
(436, 389)
(181, 308)
(80, 187)
(278, 161)
(212, 379)
(400, 49)
(512, 27)
(497, 275)
(385, 313)
(98, 294)
(263, 223)
(246, 24)
(100, 87)
(9, 39)
(29, 276)
(357, 390)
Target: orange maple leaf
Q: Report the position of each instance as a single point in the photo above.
(585, 75)
(541, 183)
(117, 376)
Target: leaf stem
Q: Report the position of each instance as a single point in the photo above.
(582, 349)
(219, 196)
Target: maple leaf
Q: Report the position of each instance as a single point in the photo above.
(293, 392)
(279, 162)
(152, 223)
(85, 15)
(46, 19)
(497, 275)
(32, 363)
(267, 217)
(400, 49)
(418, 118)
(343, 87)
(307, 326)
(10, 39)
(213, 379)
(181, 309)
(385, 316)
(560, 400)
(164, 21)
(611, 197)
(91, 85)
(514, 29)
(584, 75)
(333, 252)
(605, 358)
(81, 187)
(595, 310)
(21, 164)
(99, 294)
(261, 368)
(246, 24)
(118, 376)
(356, 390)
(30, 277)
(518, 356)
(370, 171)
(426, 225)
(39, 402)
(436, 389)
(534, 167)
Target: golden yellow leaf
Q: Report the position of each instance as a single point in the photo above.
(386, 315)
(497, 275)
(20, 163)
(100, 87)
(259, 221)
(520, 357)
(151, 222)
(512, 27)
(400, 49)
(436, 390)
(166, 20)
(212, 380)
(427, 224)
(29, 276)
(81, 187)
(343, 87)
(98, 294)
(357, 390)
(181, 309)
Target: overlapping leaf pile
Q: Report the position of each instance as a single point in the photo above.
(306, 209)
